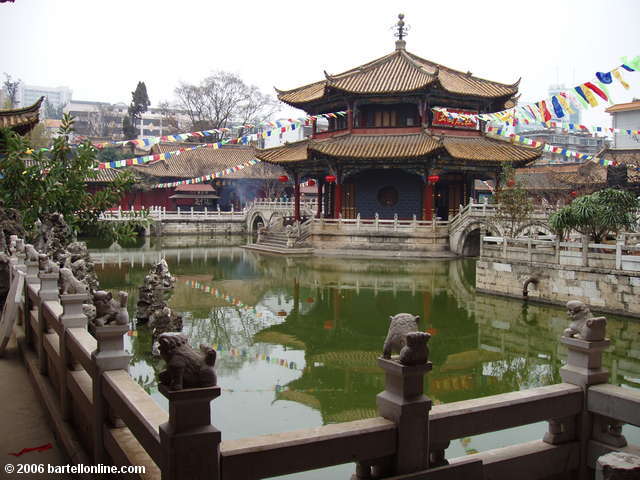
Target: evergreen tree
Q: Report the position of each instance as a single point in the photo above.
(139, 104)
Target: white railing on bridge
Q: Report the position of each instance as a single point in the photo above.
(161, 213)
(378, 224)
(485, 209)
(624, 254)
(157, 213)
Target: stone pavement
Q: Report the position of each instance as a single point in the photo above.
(23, 421)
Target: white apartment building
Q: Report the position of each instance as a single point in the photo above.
(57, 97)
(626, 116)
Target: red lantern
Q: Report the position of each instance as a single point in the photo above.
(283, 178)
(330, 178)
(433, 178)
(574, 194)
(511, 182)
(311, 183)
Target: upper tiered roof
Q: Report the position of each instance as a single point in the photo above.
(399, 72)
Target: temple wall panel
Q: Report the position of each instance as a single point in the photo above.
(409, 194)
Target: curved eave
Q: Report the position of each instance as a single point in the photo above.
(484, 149)
(21, 119)
(377, 147)
(288, 154)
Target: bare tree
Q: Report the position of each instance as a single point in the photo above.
(170, 120)
(11, 87)
(221, 100)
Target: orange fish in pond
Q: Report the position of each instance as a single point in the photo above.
(282, 313)
(310, 300)
(431, 331)
(328, 325)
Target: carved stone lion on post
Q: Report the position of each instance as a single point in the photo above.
(110, 311)
(186, 367)
(400, 324)
(69, 284)
(583, 325)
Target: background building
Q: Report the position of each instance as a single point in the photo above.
(56, 97)
(626, 116)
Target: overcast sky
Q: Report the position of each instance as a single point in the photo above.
(101, 49)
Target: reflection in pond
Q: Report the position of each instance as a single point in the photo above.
(298, 338)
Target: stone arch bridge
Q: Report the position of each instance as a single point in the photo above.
(212, 221)
(466, 225)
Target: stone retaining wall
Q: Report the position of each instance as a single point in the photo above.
(198, 227)
(604, 290)
(390, 244)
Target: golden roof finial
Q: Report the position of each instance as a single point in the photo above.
(401, 32)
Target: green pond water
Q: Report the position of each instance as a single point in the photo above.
(298, 339)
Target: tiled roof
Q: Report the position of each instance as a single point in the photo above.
(398, 72)
(21, 119)
(487, 149)
(624, 107)
(628, 156)
(105, 176)
(401, 146)
(287, 153)
(377, 146)
(203, 161)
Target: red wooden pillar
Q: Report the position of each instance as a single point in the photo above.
(296, 197)
(337, 192)
(427, 201)
(320, 199)
(137, 203)
(350, 117)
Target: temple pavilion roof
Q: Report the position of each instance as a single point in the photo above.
(399, 72)
(21, 120)
(400, 146)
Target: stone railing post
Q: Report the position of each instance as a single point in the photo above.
(583, 368)
(557, 249)
(72, 317)
(585, 250)
(48, 292)
(504, 246)
(31, 279)
(619, 245)
(190, 444)
(404, 403)
(109, 355)
(483, 233)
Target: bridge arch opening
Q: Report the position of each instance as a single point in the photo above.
(469, 243)
(255, 223)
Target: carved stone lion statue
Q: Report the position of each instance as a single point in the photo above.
(186, 367)
(13, 244)
(400, 325)
(31, 253)
(47, 266)
(416, 351)
(69, 284)
(583, 325)
(110, 311)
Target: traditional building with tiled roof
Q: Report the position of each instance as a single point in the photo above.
(21, 120)
(234, 190)
(392, 154)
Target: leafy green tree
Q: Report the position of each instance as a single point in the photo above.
(605, 212)
(514, 204)
(39, 182)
